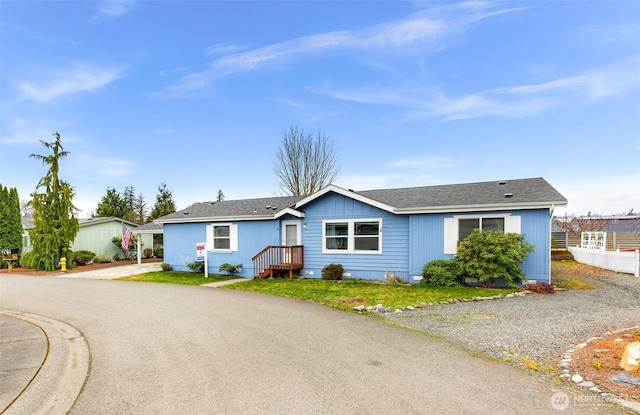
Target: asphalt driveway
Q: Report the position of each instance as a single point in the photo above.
(170, 349)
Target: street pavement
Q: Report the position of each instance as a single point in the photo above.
(140, 348)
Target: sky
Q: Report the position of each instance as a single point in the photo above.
(198, 95)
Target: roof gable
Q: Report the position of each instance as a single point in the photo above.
(84, 222)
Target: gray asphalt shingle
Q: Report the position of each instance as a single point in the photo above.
(494, 193)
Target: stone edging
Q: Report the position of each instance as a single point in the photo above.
(567, 358)
(382, 309)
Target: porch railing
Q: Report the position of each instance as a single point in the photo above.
(278, 258)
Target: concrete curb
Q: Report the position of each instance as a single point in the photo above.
(56, 385)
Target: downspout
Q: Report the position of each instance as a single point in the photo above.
(550, 235)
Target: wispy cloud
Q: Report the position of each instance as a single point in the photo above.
(223, 49)
(81, 78)
(91, 164)
(512, 102)
(607, 35)
(114, 8)
(424, 30)
(21, 137)
(425, 162)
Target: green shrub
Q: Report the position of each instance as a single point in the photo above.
(332, 272)
(102, 259)
(82, 257)
(25, 259)
(166, 267)
(492, 255)
(442, 272)
(148, 253)
(230, 268)
(197, 267)
(158, 252)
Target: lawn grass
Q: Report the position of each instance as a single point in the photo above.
(349, 293)
(570, 274)
(177, 277)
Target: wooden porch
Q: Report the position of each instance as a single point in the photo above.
(275, 259)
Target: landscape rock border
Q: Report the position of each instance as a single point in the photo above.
(379, 308)
(576, 378)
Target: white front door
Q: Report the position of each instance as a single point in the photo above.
(290, 232)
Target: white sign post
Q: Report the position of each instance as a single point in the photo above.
(201, 255)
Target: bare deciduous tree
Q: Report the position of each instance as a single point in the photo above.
(578, 224)
(305, 165)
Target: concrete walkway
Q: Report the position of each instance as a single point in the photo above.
(221, 283)
(113, 273)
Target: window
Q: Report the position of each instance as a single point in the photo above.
(222, 237)
(466, 226)
(353, 236)
(337, 235)
(460, 226)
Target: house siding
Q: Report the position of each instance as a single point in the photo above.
(426, 239)
(97, 238)
(253, 236)
(427, 232)
(394, 257)
(408, 241)
(536, 226)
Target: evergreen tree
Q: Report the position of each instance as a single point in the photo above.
(164, 203)
(220, 196)
(16, 220)
(10, 221)
(140, 209)
(112, 204)
(54, 223)
(129, 197)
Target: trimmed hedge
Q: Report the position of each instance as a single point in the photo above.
(442, 272)
(82, 257)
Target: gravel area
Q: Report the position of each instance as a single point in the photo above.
(535, 327)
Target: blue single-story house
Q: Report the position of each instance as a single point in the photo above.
(370, 233)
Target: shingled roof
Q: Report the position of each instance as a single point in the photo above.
(507, 194)
(534, 191)
(248, 209)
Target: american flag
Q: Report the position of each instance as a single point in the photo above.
(126, 237)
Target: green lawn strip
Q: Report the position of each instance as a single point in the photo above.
(177, 277)
(347, 294)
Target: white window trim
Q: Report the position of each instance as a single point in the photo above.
(233, 237)
(283, 226)
(351, 236)
(511, 225)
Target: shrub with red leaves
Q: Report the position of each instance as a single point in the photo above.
(541, 288)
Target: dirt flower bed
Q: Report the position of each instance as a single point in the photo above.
(78, 268)
(600, 360)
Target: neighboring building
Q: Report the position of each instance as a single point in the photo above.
(27, 223)
(95, 234)
(622, 232)
(369, 232)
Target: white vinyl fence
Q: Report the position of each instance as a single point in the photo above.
(626, 262)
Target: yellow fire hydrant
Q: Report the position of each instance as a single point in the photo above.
(63, 264)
